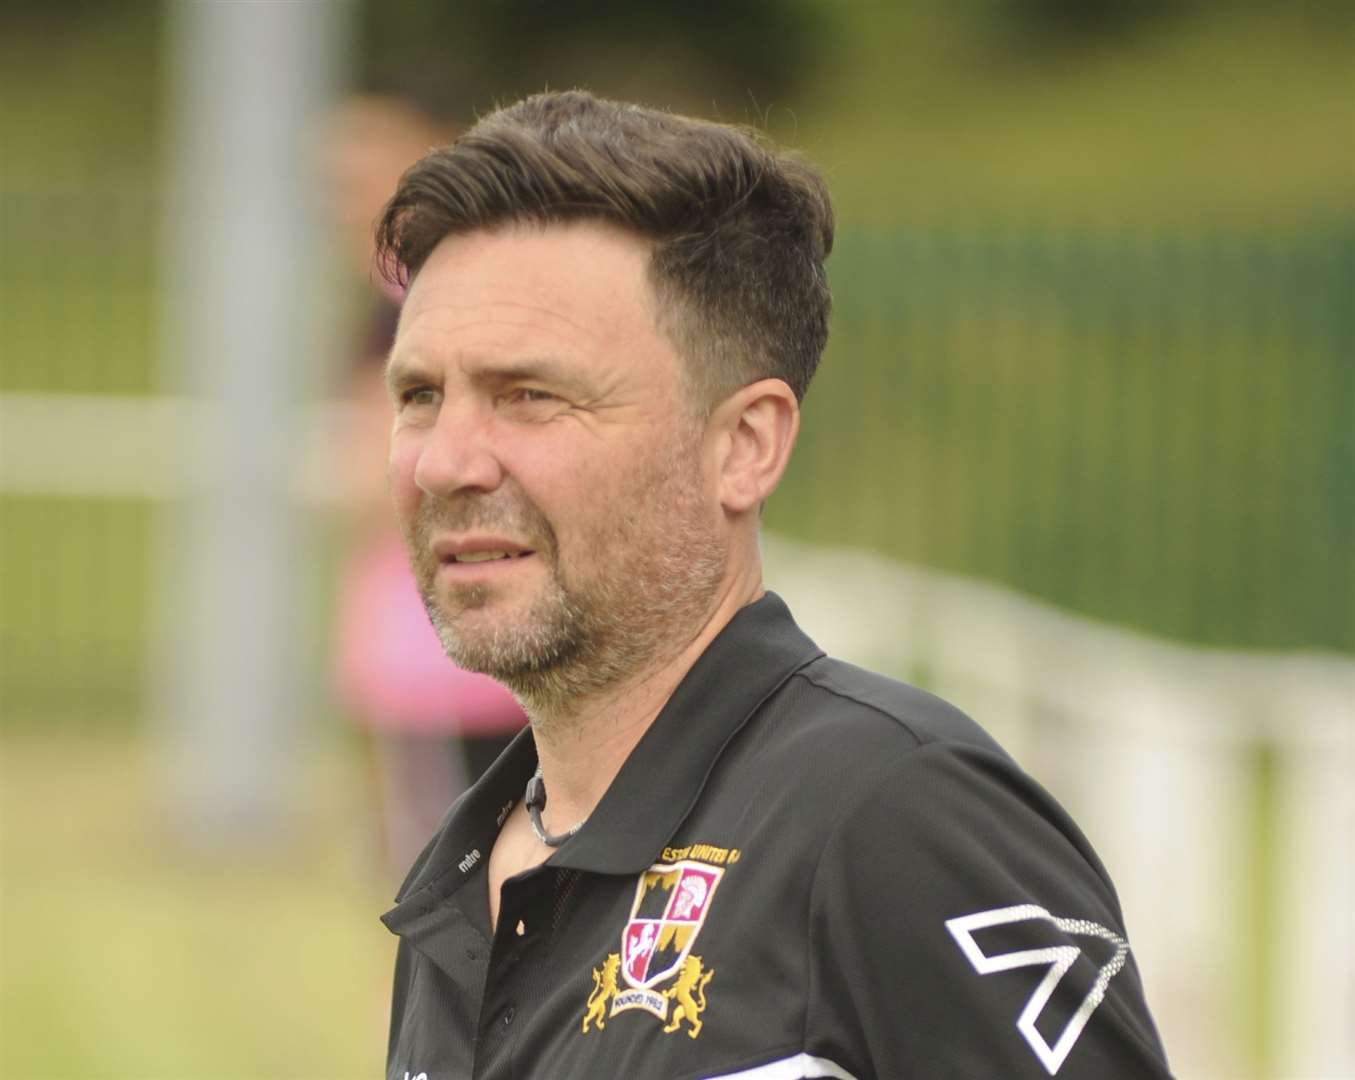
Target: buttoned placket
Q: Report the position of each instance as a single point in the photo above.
(517, 967)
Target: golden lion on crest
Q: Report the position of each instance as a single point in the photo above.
(688, 995)
(689, 989)
(604, 989)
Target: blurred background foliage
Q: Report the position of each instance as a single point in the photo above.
(1094, 281)
(1094, 339)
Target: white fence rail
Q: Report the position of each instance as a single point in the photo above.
(111, 446)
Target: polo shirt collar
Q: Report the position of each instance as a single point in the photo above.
(663, 777)
(661, 780)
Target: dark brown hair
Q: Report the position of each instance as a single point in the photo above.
(740, 230)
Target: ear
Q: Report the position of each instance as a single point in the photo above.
(756, 426)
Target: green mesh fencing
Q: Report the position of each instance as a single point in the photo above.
(1153, 430)
(1157, 430)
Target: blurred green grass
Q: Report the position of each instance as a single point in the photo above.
(75, 583)
(124, 953)
(78, 291)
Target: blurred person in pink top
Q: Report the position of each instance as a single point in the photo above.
(434, 728)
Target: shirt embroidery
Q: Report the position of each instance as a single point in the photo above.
(671, 902)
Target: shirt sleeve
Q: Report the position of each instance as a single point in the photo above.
(962, 927)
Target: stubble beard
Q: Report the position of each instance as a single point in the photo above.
(659, 567)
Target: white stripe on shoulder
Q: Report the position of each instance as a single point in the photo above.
(799, 1067)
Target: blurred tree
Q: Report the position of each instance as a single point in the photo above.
(14, 12)
(1085, 18)
(1058, 23)
(731, 58)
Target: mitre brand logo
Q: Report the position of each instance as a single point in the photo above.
(465, 866)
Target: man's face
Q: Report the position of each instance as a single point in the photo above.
(546, 463)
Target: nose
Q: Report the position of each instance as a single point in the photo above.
(458, 454)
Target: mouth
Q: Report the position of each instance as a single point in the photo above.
(470, 557)
(465, 557)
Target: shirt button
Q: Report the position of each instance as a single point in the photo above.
(521, 929)
(508, 1015)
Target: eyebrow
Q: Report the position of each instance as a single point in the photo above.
(402, 372)
(533, 369)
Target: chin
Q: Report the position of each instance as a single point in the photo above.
(468, 646)
(476, 624)
(482, 628)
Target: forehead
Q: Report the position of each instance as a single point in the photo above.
(563, 287)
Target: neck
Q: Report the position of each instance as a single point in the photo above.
(581, 751)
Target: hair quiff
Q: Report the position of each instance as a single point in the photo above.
(740, 230)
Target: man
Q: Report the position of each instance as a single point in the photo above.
(717, 852)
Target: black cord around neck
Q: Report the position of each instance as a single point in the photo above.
(535, 798)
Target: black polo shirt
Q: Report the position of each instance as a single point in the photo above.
(802, 870)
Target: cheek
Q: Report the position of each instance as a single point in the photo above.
(400, 473)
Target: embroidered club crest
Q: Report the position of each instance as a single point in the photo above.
(670, 907)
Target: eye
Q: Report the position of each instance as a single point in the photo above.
(419, 395)
(530, 395)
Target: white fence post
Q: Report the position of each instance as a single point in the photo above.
(242, 278)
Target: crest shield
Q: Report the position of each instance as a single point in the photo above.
(671, 902)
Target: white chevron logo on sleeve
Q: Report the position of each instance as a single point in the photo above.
(1058, 958)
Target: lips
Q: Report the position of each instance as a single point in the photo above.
(478, 550)
(486, 556)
